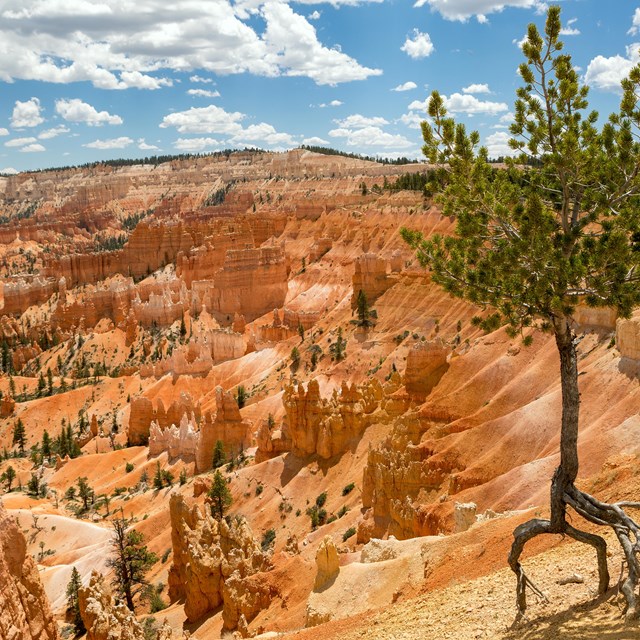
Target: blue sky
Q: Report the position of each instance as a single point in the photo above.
(85, 80)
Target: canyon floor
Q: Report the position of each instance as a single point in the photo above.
(378, 457)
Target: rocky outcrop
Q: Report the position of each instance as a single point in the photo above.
(464, 515)
(7, 406)
(103, 618)
(595, 317)
(328, 427)
(226, 425)
(179, 442)
(251, 282)
(327, 563)
(207, 554)
(370, 276)
(427, 362)
(25, 613)
(143, 413)
(22, 292)
(628, 337)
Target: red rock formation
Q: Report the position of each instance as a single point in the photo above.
(628, 337)
(206, 552)
(427, 362)
(371, 277)
(227, 425)
(25, 613)
(7, 406)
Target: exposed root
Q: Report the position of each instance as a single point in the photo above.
(612, 515)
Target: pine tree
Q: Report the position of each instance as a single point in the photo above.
(19, 436)
(73, 602)
(558, 227)
(8, 476)
(158, 482)
(130, 560)
(42, 384)
(85, 493)
(338, 348)
(241, 396)
(366, 316)
(46, 445)
(219, 456)
(219, 496)
(49, 381)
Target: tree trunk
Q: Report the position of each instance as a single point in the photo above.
(567, 472)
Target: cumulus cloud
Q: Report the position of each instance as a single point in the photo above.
(197, 78)
(635, 23)
(420, 46)
(77, 111)
(131, 44)
(406, 86)
(357, 121)
(8, 171)
(52, 133)
(477, 88)
(4, 132)
(19, 142)
(26, 114)
(333, 103)
(607, 73)
(314, 16)
(113, 143)
(292, 45)
(569, 29)
(215, 120)
(462, 10)
(314, 140)
(466, 103)
(203, 93)
(195, 145)
(32, 148)
(498, 145)
(371, 137)
(146, 147)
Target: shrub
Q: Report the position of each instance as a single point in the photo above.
(268, 538)
(129, 467)
(348, 488)
(348, 533)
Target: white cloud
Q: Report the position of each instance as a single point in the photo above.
(569, 29)
(146, 147)
(292, 45)
(357, 121)
(8, 171)
(371, 136)
(462, 10)
(195, 145)
(507, 118)
(4, 132)
(406, 86)
(32, 148)
(77, 111)
(477, 88)
(635, 23)
(19, 142)
(113, 143)
(203, 93)
(411, 119)
(215, 120)
(315, 141)
(466, 103)
(123, 44)
(420, 47)
(607, 73)
(52, 133)
(197, 78)
(211, 119)
(314, 16)
(498, 145)
(27, 114)
(139, 80)
(333, 103)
